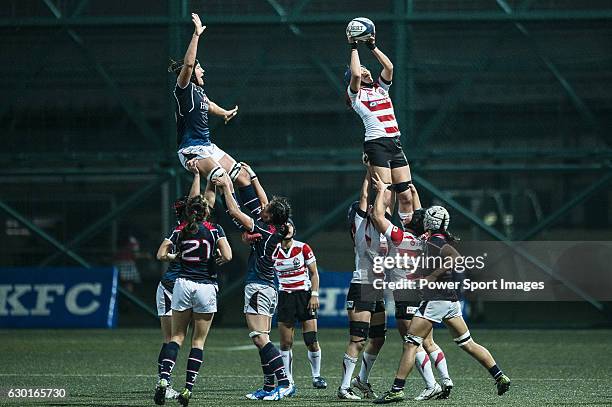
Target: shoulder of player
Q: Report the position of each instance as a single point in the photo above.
(437, 240)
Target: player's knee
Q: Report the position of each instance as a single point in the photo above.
(310, 338)
(429, 345)
(259, 338)
(465, 341)
(178, 339)
(286, 343)
(378, 333)
(403, 189)
(412, 340)
(215, 173)
(359, 329)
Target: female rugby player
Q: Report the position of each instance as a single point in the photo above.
(439, 305)
(365, 305)
(260, 291)
(406, 242)
(194, 298)
(382, 148)
(193, 132)
(298, 299)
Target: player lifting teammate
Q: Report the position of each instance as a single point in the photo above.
(382, 148)
(260, 291)
(193, 132)
(438, 305)
(406, 242)
(298, 298)
(365, 306)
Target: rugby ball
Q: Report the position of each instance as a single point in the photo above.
(360, 29)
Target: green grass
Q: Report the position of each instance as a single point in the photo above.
(117, 368)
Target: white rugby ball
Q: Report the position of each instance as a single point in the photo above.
(360, 29)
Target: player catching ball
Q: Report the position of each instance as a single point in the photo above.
(193, 131)
(298, 299)
(382, 148)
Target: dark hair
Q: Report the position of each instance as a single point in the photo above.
(280, 210)
(179, 207)
(416, 223)
(196, 212)
(176, 66)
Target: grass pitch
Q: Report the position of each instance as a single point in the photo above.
(118, 368)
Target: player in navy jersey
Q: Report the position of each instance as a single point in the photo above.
(406, 241)
(193, 131)
(194, 297)
(440, 305)
(382, 148)
(298, 299)
(261, 289)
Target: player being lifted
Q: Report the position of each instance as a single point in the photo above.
(261, 289)
(298, 298)
(382, 148)
(406, 242)
(365, 306)
(438, 305)
(193, 131)
(194, 298)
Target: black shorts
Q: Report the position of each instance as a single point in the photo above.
(294, 305)
(384, 152)
(363, 297)
(406, 303)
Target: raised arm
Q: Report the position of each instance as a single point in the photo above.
(365, 192)
(224, 250)
(259, 191)
(217, 110)
(387, 71)
(163, 253)
(232, 207)
(355, 66)
(190, 56)
(192, 165)
(381, 223)
(416, 201)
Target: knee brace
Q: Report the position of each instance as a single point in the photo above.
(401, 186)
(254, 334)
(310, 337)
(235, 171)
(413, 339)
(378, 331)
(359, 329)
(215, 173)
(463, 339)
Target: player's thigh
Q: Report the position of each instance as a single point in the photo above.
(180, 322)
(286, 332)
(206, 165)
(420, 327)
(258, 322)
(383, 172)
(401, 174)
(359, 316)
(403, 325)
(309, 325)
(378, 318)
(456, 326)
(201, 327)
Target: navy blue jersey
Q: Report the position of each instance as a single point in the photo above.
(261, 264)
(174, 267)
(433, 247)
(197, 251)
(191, 116)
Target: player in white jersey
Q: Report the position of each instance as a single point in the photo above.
(298, 299)
(406, 243)
(382, 148)
(365, 306)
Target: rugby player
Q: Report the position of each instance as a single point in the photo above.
(438, 305)
(261, 289)
(382, 148)
(298, 299)
(194, 297)
(406, 242)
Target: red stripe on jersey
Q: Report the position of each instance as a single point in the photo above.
(397, 236)
(292, 285)
(376, 105)
(393, 129)
(386, 118)
(295, 273)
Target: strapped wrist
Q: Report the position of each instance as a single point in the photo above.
(353, 45)
(371, 45)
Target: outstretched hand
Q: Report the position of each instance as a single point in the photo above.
(230, 114)
(192, 165)
(198, 27)
(378, 183)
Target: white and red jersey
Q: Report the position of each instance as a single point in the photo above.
(375, 108)
(369, 243)
(291, 266)
(405, 244)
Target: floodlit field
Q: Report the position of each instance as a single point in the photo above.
(118, 367)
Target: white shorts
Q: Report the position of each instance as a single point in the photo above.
(437, 311)
(209, 151)
(199, 297)
(260, 299)
(163, 299)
